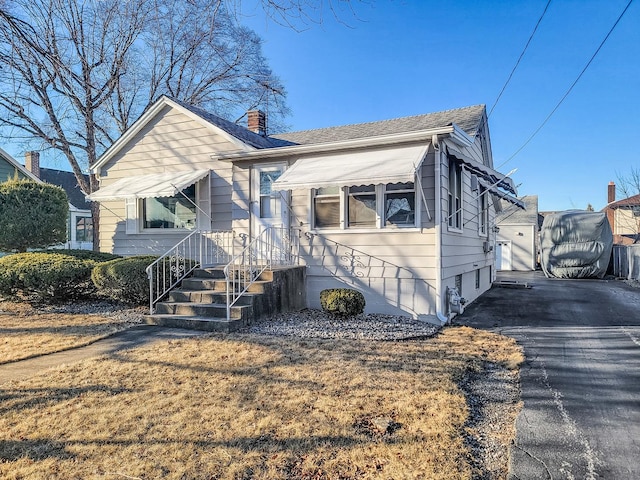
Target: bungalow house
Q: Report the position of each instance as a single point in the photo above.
(518, 235)
(401, 210)
(623, 216)
(79, 223)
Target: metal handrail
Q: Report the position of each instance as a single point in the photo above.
(274, 246)
(199, 248)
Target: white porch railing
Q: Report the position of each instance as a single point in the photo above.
(199, 248)
(275, 246)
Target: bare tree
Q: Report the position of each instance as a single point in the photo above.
(75, 74)
(629, 183)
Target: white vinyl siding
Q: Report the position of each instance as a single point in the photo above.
(393, 267)
(171, 141)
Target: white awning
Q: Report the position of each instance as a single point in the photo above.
(390, 165)
(154, 185)
(489, 174)
(501, 195)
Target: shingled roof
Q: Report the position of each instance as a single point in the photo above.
(69, 183)
(238, 131)
(628, 202)
(467, 118)
(512, 215)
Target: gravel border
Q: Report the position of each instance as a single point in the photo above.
(311, 323)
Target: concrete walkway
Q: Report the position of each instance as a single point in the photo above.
(130, 338)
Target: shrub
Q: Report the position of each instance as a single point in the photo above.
(97, 257)
(342, 301)
(46, 276)
(32, 215)
(124, 279)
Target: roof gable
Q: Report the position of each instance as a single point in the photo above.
(469, 119)
(15, 165)
(512, 215)
(240, 136)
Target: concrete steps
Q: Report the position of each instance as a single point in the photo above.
(201, 301)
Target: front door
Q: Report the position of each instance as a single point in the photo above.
(503, 255)
(269, 208)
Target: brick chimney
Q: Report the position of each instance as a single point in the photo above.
(611, 192)
(611, 214)
(32, 162)
(257, 122)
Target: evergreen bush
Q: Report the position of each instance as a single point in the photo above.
(342, 301)
(32, 215)
(124, 279)
(97, 257)
(49, 277)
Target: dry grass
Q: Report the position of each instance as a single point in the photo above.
(25, 333)
(249, 406)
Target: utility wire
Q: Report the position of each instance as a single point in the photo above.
(572, 85)
(519, 58)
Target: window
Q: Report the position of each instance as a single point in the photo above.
(84, 229)
(270, 200)
(455, 195)
(483, 212)
(326, 207)
(365, 206)
(477, 279)
(399, 204)
(458, 284)
(362, 206)
(171, 212)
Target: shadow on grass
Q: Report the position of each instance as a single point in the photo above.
(37, 450)
(16, 400)
(88, 330)
(40, 449)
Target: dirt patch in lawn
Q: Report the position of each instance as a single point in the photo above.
(27, 331)
(252, 406)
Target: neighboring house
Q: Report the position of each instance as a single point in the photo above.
(79, 224)
(623, 216)
(401, 210)
(517, 239)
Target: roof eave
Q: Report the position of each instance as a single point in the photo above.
(392, 139)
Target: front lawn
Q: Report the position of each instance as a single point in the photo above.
(244, 406)
(26, 332)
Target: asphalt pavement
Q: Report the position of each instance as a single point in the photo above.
(581, 378)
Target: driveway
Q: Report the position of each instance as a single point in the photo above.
(581, 378)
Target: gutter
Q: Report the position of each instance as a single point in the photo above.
(437, 218)
(452, 130)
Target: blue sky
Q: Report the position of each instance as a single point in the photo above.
(397, 58)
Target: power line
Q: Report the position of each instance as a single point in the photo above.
(572, 85)
(519, 58)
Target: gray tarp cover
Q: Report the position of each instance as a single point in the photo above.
(575, 244)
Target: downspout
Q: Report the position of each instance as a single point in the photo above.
(437, 219)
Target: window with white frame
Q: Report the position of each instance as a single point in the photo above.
(400, 204)
(84, 229)
(366, 206)
(362, 206)
(326, 207)
(483, 212)
(175, 212)
(455, 194)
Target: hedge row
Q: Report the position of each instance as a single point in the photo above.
(63, 275)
